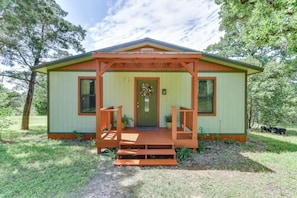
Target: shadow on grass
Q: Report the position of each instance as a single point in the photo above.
(268, 144)
(230, 155)
(222, 155)
(35, 166)
(291, 132)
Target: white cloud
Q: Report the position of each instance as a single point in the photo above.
(190, 23)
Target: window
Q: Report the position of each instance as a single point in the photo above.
(207, 96)
(87, 95)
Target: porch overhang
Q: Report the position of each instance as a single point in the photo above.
(152, 56)
(165, 61)
(159, 61)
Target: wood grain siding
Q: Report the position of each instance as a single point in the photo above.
(239, 138)
(85, 66)
(207, 66)
(69, 136)
(230, 110)
(163, 65)
(63, 104)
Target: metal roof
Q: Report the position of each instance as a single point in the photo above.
(43, 68)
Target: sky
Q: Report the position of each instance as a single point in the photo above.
(189, 23)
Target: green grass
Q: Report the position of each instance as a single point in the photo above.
(33, 166)
(238, 173)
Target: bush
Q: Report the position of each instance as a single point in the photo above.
(183, 153)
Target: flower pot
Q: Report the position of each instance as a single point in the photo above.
(169, 125)
(123, 125)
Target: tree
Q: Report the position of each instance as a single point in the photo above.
(40, 96)
(5, 109)
(263, 32)
(34, 31)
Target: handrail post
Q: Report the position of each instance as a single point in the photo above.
(119, 123)
(174, 120)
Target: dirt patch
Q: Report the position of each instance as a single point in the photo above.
(225, 155)
(106, 181)
(213, 155)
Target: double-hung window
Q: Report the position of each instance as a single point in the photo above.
(87, 95)
(207, 96)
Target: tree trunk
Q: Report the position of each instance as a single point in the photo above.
(250, 115)
(28, 103)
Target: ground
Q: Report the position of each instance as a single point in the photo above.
(33, 166)
(222, 168)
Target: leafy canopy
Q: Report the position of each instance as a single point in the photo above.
(35, 30)
(263, 32)
(32, 32)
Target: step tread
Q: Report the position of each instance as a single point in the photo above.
(146, 152)
(124, 142)
(145, 162)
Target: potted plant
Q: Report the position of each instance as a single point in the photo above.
(126, 121)
(168, 120)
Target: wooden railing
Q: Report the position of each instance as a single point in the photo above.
(107, 122)
(186, 128)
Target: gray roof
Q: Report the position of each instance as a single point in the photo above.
(251, 69)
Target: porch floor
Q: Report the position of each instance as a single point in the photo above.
(161, 136)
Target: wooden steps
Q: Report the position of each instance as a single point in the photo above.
(146, 162)
(146, 153)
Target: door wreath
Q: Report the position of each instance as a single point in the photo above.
(146, 89)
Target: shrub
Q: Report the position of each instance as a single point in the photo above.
(183, 153)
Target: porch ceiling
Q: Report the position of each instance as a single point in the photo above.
(157, 56)
(158, 61)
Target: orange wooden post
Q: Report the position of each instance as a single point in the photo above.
(98, 106)
(119, 123)
(174, 120)
(195, 100)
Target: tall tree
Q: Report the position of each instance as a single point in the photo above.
(34, 31)
(5, 109)
(40, 95)
(266, 31)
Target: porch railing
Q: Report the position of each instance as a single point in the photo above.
(107, 123)
(186, 128)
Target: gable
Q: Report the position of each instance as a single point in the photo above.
(147, 48)
(136, 49)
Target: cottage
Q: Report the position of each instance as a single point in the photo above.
(147, 79)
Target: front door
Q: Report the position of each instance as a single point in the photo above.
(146, 91)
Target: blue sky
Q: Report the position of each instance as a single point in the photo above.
(190, 23)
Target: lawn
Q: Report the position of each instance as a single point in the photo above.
(33, 166)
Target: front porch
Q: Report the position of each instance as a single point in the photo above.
(138, 147)
(146, 146)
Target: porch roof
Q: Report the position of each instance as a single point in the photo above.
(120, 52)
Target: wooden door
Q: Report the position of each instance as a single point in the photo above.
(146, 102)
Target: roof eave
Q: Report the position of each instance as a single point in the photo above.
(251, 69)
(43, 68)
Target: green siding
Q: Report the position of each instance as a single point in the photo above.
(230, 114)
(119, 90)
(63, 100)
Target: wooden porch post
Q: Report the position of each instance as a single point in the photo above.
(98, 103)
(174, 124)
(195, 99)
(119, 123)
